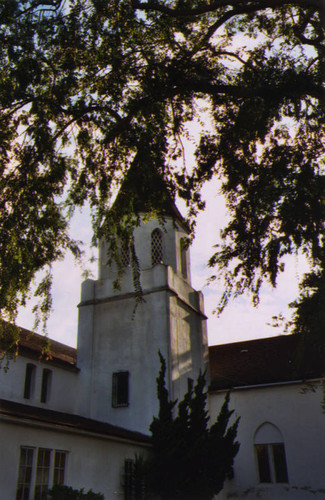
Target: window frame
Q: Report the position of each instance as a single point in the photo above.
(46, 385)
(276, 472)
(156, 247)
(184, 257)
(25, 469)
(30, 377)
(120, 389)
(125, 254)
(41, 474)
(135, 488)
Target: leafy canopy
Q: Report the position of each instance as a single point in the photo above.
(190, 458)
(90, 88)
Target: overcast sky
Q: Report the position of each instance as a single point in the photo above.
(240, 320)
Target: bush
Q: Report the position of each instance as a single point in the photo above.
(60, 492)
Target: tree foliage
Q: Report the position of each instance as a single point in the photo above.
(90, 88)
(61, 492)
(190, 460)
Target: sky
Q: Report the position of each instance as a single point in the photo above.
(240, 321)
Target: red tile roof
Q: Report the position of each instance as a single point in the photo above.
(35, 345)
(261, 361)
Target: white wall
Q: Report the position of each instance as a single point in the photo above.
(113, 336)
(92, 463)
(63, 386)
(298, 416)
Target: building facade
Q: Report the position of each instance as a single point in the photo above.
(79, 416)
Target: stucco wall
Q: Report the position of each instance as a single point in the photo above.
(62, 390)
(92, 463)
(114, 335)
(298, 415)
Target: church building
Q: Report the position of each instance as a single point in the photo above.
(80, 416)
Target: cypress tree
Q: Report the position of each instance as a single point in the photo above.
(191, 459)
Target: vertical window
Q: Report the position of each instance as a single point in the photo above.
(29, 380)
(42, 474)
(279, 462)
(128, 479)
(46, 385)
(184, 246)
(135, 480)
(120, 392)
(24, 473)
(125, 254)
(263, 463)
(270, 455)
(59, 467)
(156, 247)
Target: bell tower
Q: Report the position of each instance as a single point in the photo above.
(118, 349)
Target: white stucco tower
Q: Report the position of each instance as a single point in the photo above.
(118, 350)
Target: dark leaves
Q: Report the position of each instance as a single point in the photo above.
(87, 87)
(190, 459)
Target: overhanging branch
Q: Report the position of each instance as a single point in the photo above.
(244, 6)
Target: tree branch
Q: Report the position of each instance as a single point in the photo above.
(245, 6)
(266, 92)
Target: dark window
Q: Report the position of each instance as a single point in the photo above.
(271, 460)
(135, 480)
(59, 467)
(46, 384)
(24, 473)
(125, 254)
(39, 474)
(184, 246)
(120, 392)
(156, 247)
(29, 380)
(42, 474)
(280, 464)
(263, 463)
(128, 479)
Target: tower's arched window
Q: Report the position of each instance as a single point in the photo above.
(125, 254)
(270, 454)
(156, 247)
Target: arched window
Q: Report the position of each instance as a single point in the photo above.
(270, 454)
(156, 247)
(125, 254)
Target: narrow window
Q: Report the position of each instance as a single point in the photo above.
(42, 474)
(135, 480)
(60, 459)
(129, 479)
(29, 380)
(280, 464)
(184, 246)
(24, 473)
(125, 254)
(120, 392)
(156, 247)
(263, 462)
(46, 385)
